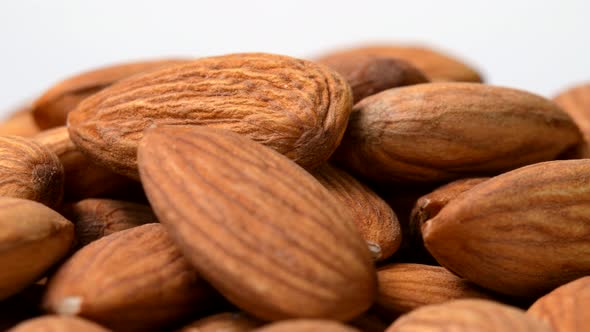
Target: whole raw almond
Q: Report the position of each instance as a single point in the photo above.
(257, 226)
(374, 219)
(83, 179)
(32, 239)
(524, 232)
(53, 323)
(133, 280)
(52, 108)
(368, 74)
(98, 217)
(404, 287)
(565, 309)
(435, 64)
(29, 170)
(467, 315)
(224, 322)
(20, 122)
(307, 325)
(297, 107)
(442, 131)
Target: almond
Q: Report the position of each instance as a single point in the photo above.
(565, 309)
(20, 122)
(29, 170)
(307, 325)
(375, 220)
(443, 131)
(523, 233)
(467, 315)
(436, 65)
(133, 280)
(576, 102)
(83, 179)
(98, 217)
(32, 238)
(224, 322)
(52, 108)
(295, 106)
(57, 324)
(368, 74)
(257, 226)
(404, 287)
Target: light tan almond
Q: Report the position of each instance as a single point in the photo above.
(307, 325)
(132, 280)
(224, 322)
(52, 323)
(52, 108)
(256, 225)
(32, 239)
(374, 219)
(29, 170)
(294, 106)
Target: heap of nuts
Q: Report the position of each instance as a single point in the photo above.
(381, 188)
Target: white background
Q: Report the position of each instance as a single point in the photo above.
(540, 46)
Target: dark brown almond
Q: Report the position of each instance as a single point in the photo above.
(132, 280)
(307, 325)
(565, 309)
(443, 131)
(268, 236)
(404, 287)
(52, 323)
(368, 74)
(374, 219)
(435, 64)
(98, 217)
(521, 233)
(224, 322)
(83, 179)
(294, 106)
(31, 171)
(52, 108)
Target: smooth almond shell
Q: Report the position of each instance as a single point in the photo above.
(224, 322)
(268, 236)
(98, 217)
(53, 323)
(83, 179)
(467, 315)
(133, 280)
(30, 171)
(32, 239)
(306, 325)
(52, 108)
(375, 220)
(294, 106)
(443, 131)
(522, 233)
(368, 74)
(404, 287)
(565, 309)
(435, 64)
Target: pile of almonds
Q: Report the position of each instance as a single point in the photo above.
(382, 188)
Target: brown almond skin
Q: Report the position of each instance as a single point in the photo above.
(28, 170)
(83, 179)
(565, 309)
(224, 322)
(576, 102)
(443, 131)
(54, 323)
(375, 220)
(307, 325)
(269, 236)
(132, 280)
(521, 233)
(435, 64)
(52, 108)
(98, 217)
(32, 239)
(404, 287)
(368, 74)
(294, 106)
(467, 315)
(20, 122)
